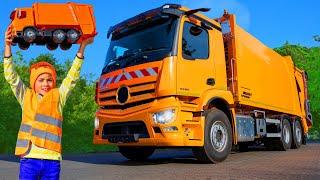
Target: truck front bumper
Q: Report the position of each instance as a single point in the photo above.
(139, 129)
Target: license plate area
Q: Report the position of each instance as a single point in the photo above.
(121, 138)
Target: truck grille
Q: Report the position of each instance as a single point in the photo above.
(139, 94)
(125, 128)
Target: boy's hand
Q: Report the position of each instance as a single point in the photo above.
(83, 45)
(8, 36)
(87, 41)
(8, 42)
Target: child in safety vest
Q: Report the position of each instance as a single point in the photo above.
(39, 138)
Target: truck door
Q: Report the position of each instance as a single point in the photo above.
(195, 66)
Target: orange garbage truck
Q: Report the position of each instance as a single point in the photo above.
(175, 78)
(52, 25)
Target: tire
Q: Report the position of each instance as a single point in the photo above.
(51, 46)
(286, 135)
(136, 153)
(297, 135)
(73, 36)
(304, 139)
(23, 45)
(65, 46)
(217, 138)
(58, 36)
(29, 34)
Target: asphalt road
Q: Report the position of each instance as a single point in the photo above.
(258, 163)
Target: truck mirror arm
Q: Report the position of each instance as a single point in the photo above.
(193, 11)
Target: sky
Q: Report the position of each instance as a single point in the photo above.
(273, 22)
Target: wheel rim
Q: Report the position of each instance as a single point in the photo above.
(298, 133)
(286, 134)
(218, 136)
(58, 36)
(29, 35)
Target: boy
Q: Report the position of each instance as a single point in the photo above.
(39, 138)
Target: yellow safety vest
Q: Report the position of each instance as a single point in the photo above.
(41, 122)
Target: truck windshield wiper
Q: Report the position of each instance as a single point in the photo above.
(151, 49)
(131, 58)
(137, 52)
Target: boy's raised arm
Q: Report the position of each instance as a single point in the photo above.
(12, 77)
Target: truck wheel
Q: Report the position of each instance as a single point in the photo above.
(73, 36)
(65, 46)
(58, 36)
(297, 135)
(304, 139)
(286, 135)
(23, 45)
(136, 153)
(29, 34)
(52, 46)
(217, 138)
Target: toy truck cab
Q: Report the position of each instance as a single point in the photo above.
(52, 25)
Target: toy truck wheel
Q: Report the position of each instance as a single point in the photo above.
(136, 153)
(58, 36)
(23, 45)
(29, 34)
(297, 135)
(65, 46)
(217, 138)
(72, 36)
(52, 46)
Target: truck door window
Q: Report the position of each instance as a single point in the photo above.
(195, 42)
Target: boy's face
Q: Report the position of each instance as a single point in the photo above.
(44, 83)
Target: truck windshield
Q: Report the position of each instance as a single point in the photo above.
(150, 41)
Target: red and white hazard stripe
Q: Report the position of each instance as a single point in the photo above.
(140, 73)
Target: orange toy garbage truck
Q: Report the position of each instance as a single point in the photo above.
(176, 78)
(52, 25)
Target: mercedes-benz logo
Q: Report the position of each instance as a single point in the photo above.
(122, 95)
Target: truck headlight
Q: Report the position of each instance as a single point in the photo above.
(96, 123)
(164, 117)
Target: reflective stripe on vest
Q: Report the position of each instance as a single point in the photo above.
(25, 128)
(48, 120)
(22, 143)
(46, 135)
